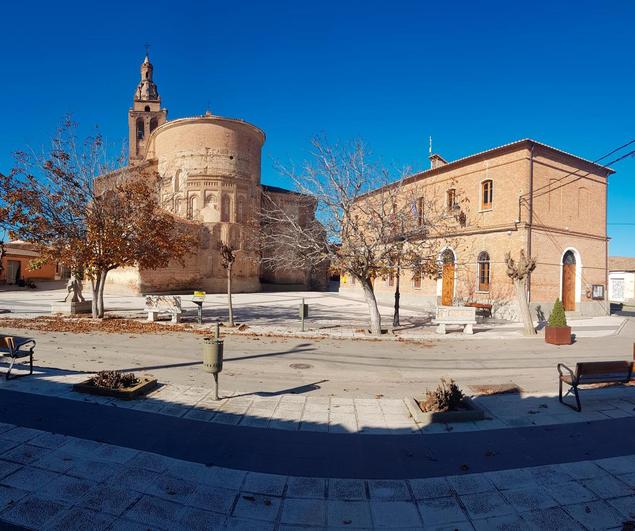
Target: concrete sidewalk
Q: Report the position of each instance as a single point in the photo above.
(299, 412)
(59, 482)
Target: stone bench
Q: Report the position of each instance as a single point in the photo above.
(171, 304)
(455, 315)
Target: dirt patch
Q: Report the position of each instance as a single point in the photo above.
(85, 325)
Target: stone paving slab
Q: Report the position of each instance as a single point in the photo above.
(333, 414)
(179, 495)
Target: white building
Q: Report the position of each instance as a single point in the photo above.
(622, 279)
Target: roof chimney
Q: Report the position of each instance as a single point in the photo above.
(436, 161)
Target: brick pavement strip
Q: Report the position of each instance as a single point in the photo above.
(110, 487)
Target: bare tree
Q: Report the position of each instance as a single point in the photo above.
(519, 273)
(228, 258)
(366, 218)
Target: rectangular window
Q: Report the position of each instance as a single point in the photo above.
(487, 193)
(483, 276)
(451, 199)
(416, 280)
(420, 212)
(391, 279)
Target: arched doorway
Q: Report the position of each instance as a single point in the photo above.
(568, 280)
(447, 277)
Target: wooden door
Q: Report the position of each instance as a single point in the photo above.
(447, 286)
(568, 286)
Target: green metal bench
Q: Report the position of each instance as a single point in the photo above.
(15, 348)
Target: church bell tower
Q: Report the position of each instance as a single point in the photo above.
(146, 113)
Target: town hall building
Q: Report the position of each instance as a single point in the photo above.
(523, 195)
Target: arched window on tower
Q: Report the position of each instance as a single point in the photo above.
(153, 124)
(147, 108)
(140, 129)
(483, 271)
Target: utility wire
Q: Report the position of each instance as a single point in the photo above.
(593, 162)
(551, 189)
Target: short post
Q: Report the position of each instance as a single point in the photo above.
(198, 298)
(304, 313)
(213, 356)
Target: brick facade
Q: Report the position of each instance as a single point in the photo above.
(209, 169)
(545, 201)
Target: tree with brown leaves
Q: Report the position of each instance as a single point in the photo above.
(92, 225)
(519, 273)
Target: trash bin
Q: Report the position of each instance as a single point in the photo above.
(212, 355)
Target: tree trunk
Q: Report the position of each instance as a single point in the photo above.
(100, 302)
(395, 317)
(94, 284)
(523, 304)
(229, 296)
(375, 317)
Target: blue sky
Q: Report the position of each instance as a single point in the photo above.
(473, 75)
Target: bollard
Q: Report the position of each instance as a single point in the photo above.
(213, 357)
(303, 313)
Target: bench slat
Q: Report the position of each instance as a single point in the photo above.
(604, 368)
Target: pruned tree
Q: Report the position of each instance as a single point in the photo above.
(86, 212)
(2, 253)
(228, 258)
(356, 215)
(519, 273)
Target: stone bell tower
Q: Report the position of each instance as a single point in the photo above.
(146, 113)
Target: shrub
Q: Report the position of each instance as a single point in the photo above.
(557, 318)
(446, 397)
(113, 379)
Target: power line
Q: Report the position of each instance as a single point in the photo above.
(593, 162)
(549, 185)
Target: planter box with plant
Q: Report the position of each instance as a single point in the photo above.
(557, 332)
(117, 384)
(446, 403)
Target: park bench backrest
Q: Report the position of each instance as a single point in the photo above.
(167, 303)
(604, 371)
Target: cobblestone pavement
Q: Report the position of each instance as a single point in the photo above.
(339, 415)
(50, 481)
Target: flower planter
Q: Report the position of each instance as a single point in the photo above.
(143, 387)
(560, 335)
(470, 412)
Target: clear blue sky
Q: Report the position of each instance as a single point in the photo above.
(473, 75)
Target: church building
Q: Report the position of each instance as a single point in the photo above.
(209, 170)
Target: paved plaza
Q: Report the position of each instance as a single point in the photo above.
(53, 481)
(312, 431)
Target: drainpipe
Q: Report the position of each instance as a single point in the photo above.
(531, 214)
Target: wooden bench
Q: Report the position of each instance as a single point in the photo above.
(593, 372)
(16, 348)
(156, 304)
(485, 308)
(455, 315)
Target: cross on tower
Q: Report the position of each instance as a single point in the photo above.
(147, 45)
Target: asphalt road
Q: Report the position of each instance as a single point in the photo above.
(355, 368)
